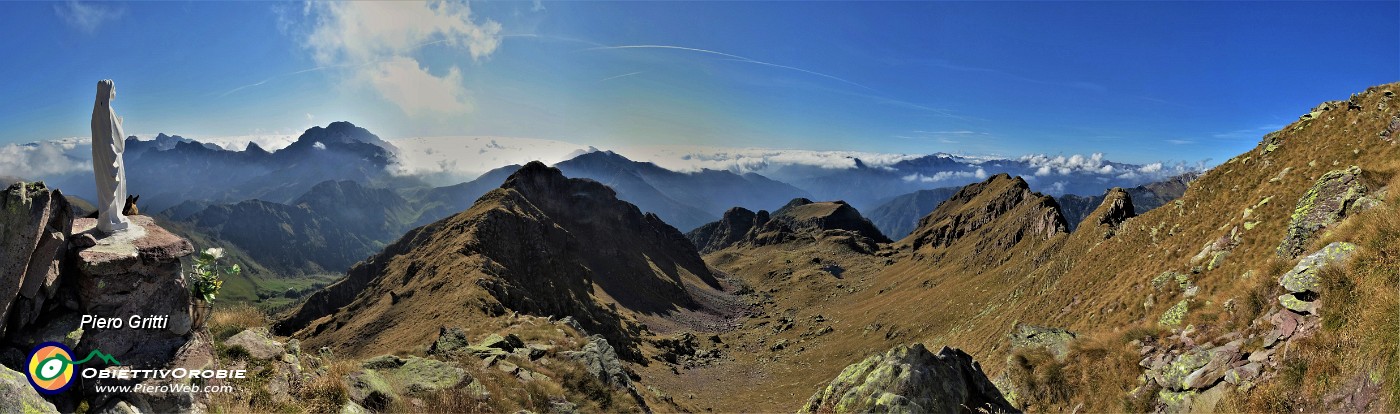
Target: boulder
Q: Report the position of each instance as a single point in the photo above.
(1303, 277)
(1055, 340)
(428, 375)
(368, 389)
(1174, 375)
(1221, 359)
(450, 341)
(383, 362)
(601, 360)
(258, 342)
(1302, 282)
(910, 379)
(16, 395)
(35, 226)
(507, 343)
(371, 387)
(1329, 200)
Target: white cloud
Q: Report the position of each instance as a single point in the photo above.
(746, 160)
(379, 42)
(537, 7)
(41, 160)
(87, 17)
(1062, 165)
(406, 84)
(318, 146)
(454, 159)
(980, 174)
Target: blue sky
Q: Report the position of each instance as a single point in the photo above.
(1138, 81)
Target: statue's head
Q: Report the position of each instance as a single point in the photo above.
(106, 91)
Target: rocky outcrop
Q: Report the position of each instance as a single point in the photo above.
(1302, 281)
(732, 228)
(1329, 200)
(257, 343)
(602, 362)
(35, 225)
(16, 395)
(799, 219)
(1054, 340)
(996, 214)
(806, 217)
(910, 379)
(542, 244)
(1116, 208)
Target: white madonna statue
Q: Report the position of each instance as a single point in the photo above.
(108, 143)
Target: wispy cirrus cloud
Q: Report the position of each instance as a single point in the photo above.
(944, 64)
(87, 17)
(733, 58)
(619, 76)
(1248, 133)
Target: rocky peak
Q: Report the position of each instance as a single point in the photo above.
(799, 219)
(730, 229)
(541, 244)
(255, 149)
(1001, 207)
(1116, 208)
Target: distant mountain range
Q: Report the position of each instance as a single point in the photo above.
(330, 198)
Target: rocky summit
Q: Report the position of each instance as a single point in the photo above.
(541, 244)
(799, 219)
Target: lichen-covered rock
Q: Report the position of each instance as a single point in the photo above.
(1303, 277)
(1055, 340)
(1293, 303)
(16, 395)
(258, 343)
(1302, 282)
(35, 225)
(450, 341)
(601, 360)
(1221, 359)
(910, 379)
(368, 389)
(428, 375)
(1174, 315)
(506, 343)
(1329, 200)
(1174, 375)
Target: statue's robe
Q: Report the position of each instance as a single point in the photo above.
(108, 143)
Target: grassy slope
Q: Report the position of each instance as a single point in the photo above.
(1099, 288)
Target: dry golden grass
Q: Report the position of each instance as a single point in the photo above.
(970, 296)
(1360, 324)
(228, 321)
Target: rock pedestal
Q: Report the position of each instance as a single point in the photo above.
(136, 272)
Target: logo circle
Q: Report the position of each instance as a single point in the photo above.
(50, 368)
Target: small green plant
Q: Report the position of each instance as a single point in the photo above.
(207, 274)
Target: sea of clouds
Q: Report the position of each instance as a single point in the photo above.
(453, 159)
